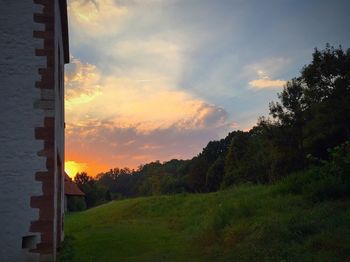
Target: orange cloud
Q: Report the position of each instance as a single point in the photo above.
(107, 147)
(128, 103)
(267, 83)
(128, 122)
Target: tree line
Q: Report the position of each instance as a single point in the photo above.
(312, 116)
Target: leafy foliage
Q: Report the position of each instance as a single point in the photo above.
(94, 193)
(76, 203)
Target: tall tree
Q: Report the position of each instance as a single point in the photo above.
(327, 97)
(290, 117)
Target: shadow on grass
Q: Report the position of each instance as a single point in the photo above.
(66, 250)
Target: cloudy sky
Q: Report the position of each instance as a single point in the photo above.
(158, 79)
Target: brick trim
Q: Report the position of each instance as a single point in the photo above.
(45, 202)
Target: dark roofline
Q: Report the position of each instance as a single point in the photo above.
(71, 188)
(64, 28)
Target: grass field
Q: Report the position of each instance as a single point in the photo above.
(247, 223)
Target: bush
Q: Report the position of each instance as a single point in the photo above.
(329, 180)
(76, 203)
(325, 186)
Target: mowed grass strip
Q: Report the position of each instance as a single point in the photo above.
(130, 230)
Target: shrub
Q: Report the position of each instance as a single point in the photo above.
(76, 203)
(329, 180)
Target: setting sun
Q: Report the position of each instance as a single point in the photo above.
(72, 168)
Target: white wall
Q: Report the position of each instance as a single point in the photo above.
(18, 148)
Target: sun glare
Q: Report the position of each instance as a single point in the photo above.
(72, 168)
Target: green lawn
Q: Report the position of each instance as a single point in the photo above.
(248, 223)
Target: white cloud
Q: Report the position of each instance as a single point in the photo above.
(269, 66)
(81, 82)
(266, 70)
(148, 60)
(96, 18)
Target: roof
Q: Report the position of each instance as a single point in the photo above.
(71, 188)
(64, 29)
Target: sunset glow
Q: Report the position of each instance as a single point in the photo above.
(72, 168)
(157, 80)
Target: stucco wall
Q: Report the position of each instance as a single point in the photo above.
(18, 147)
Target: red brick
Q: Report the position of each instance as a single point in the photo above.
(45, 133)
(41, 226)
(43, 34)
(44, 52)
(45, 203)
(50, 163)
(49, 122)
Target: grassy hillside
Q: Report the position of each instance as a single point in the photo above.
(247, 223)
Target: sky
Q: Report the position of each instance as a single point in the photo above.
(158, 79)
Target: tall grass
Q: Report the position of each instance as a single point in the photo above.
(305, 217)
